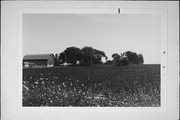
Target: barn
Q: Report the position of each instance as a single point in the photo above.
(38, 60)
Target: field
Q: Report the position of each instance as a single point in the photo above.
(96, 85)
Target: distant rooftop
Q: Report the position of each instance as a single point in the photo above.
(37, 56)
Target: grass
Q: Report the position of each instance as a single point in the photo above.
(97, 85)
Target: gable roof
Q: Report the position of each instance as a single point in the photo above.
(37, 56)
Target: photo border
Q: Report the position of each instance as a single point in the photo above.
(161, 12)
(164, 8)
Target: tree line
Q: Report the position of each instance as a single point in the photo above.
(88, 56)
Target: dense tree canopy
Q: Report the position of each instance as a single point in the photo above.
(61, 58)
(84, 56)
(72, 55)
(97, 56)
(88, 55)
(132, 57)
(116, 58)
(127, 58)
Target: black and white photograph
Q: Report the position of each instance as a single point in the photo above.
(91, 60)
(105, 60)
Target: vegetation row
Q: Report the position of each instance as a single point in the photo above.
(103, 85)
(88, 55)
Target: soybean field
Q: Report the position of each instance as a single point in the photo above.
(95, 85)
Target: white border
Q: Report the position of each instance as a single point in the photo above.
(160, 12)
(10, 45)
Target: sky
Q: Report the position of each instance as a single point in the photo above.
(111, 33)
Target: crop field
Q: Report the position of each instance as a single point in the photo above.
(96, 85)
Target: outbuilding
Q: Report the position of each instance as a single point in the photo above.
(38, 60)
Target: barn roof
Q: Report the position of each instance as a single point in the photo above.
(37, 56)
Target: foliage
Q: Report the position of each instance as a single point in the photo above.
(92, 56)
(141, 59)
(56, 61)
(61, 58)
(123, 61)
(127, 58)
(86, 56)
(132, 57)
(97, 57)
(102, 85)
(72, 55)
(108, 62)
(116, 58)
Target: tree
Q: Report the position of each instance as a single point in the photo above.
(116, 58)
(62, 58)
(90, 56)
(85, 59)
(141, 59)
(56, 62)
(87, 54)
(97, 56)
(127, 58)
(72, 55)
(134, 58)
(123, 62)
(108, 62)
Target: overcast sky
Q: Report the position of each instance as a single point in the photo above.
(111, 33)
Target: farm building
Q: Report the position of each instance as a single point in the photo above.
(38, 60)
